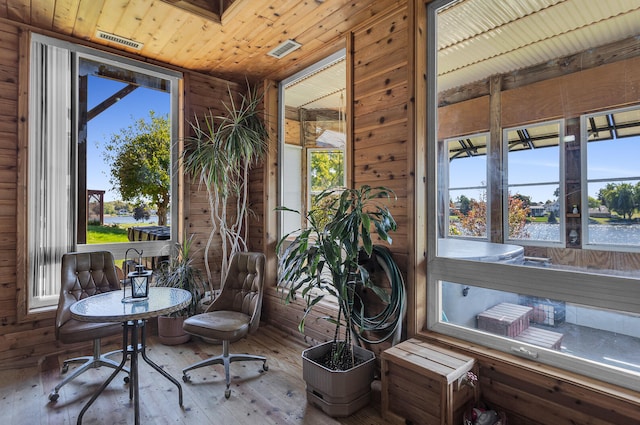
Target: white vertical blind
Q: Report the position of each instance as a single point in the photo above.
(50, 214)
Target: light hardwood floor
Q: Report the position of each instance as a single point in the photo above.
(273, 397)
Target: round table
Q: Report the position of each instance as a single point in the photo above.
(118, 306)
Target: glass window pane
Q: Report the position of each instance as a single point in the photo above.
(606, 336)
(613, 178)
(124, 166)
(467, 176)
(313, 137)
(533, 182)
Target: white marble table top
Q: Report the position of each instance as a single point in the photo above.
(110, 307)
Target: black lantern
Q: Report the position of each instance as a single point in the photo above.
(140, 279)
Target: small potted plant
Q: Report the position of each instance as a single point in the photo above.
(324, 259)
(179, 272)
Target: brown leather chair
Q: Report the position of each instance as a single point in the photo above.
(83, 275)
(233, 315)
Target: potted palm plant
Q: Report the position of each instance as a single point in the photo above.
(179, 272)
(324, 259)
(220, 153)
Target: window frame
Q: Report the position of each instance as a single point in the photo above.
(27, 310)
(594, 290)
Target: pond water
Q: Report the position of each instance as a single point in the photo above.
(128, 219)
(616, 234)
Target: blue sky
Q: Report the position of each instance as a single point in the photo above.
(122, 114)
(609, 159)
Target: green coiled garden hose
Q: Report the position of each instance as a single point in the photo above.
(387, 323)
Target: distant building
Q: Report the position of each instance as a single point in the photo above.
(600, 212)
(537, 210)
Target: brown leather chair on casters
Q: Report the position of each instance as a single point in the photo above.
(85, 274)
(233, 315)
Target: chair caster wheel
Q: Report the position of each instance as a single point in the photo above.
(126, 380)
(186, 378)
(53, 397)
(227, 393)
(65, 368)
(265, 367)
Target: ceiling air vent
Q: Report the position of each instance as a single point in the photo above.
(119, 40)
(284, 49)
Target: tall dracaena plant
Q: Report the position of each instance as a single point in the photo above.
(323, 257)
(220, 154)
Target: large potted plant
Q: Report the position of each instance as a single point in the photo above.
(179, 272)
(322, 259)
(219, 154)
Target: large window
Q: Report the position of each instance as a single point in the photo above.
(313, 137)
(566, 293)
(101, 153)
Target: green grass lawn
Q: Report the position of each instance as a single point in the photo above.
(543, 219)
(107, 234)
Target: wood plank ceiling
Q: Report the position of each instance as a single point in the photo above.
(192, 35)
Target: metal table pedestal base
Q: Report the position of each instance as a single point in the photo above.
(138, 345)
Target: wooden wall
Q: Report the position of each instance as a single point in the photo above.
(380, 144)
(385, 149)
(533, 394)
(203, 96)
(17, 341)
(29, 343)
(383, 145)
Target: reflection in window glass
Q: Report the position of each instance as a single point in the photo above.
(602, 335)
(326, 170)
(613, 177)
(313, 137)
(468, 186)
(534, 184)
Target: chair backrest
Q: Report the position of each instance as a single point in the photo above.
(84, 274)
(243, 288)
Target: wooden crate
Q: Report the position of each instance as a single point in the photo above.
(422, 384)
(505, 319)
(541, 337)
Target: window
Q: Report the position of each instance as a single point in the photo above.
(569, 139)
(69, 180)
(534, 184)
(612, 195)
(467, 189)
(313, 137)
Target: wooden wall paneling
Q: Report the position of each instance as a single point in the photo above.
(566, 96)
(381, 135)
(9, 75)
(204, 96)
(495, 160)
(268, 171)
(535, 394)
(545, 400)
(465, 118)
